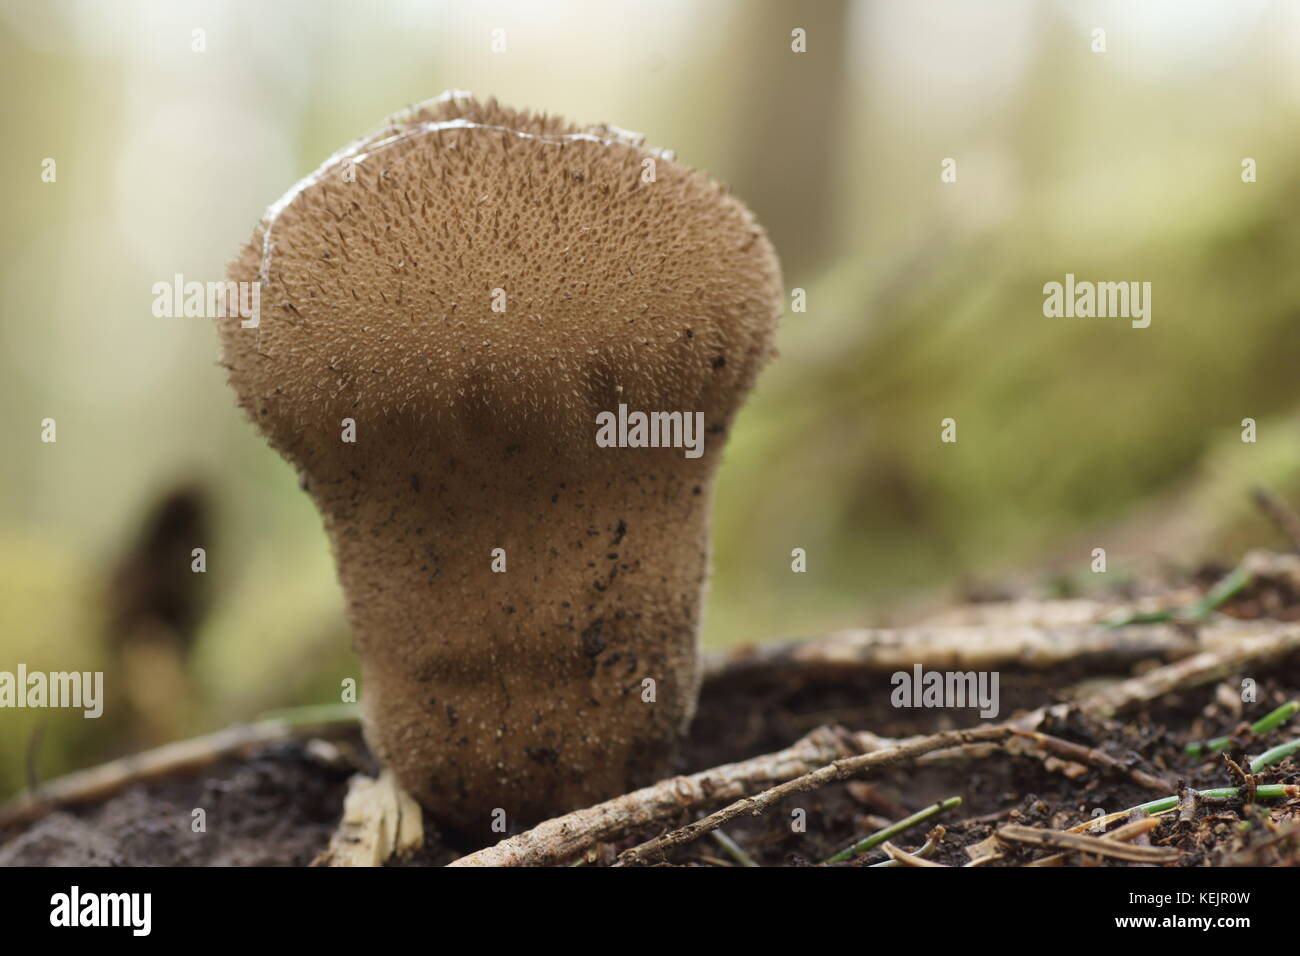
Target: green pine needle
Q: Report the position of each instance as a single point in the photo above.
(894, 829)
(1268, 722)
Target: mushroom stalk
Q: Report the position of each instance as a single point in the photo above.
(524, 689)
(451, 307)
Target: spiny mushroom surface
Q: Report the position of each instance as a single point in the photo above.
(384, 278)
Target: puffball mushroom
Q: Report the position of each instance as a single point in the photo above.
(470, 287)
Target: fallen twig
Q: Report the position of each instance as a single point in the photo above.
(886, 650)
(565, 837)
(1277, 511)
(1225, 660)
(932, 841)
(1129, 831)
(380, 821)
(833, 772)
(1064, 840)
(904, 858)
(102, 781)
(1097, 758)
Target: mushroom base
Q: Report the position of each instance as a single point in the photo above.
(522, 662)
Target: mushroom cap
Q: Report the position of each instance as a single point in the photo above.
(624, 276)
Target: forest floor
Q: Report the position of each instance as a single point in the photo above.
(279, 803)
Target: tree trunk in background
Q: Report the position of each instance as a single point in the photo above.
(788, 136)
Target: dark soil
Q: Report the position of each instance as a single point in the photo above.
(1001, 788)
(280, 806)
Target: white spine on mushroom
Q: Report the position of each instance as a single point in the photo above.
(359, 151)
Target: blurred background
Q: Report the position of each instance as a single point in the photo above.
(924, 301)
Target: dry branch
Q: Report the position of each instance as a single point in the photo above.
(1228, 659)
(1277, 511)
(904, 858)
(1129, 831)
(380, 821)
(833, 772)
(563, 838)
(97, 783)
(886, 650)
(1062, 840)
(1067, 750)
